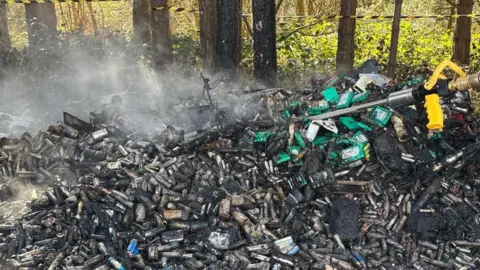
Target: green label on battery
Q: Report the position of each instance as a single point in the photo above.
(359, 138)
(318, 107)
(353, 153)
(349, 123)
(345, 100)
(381, 115)
(343, 141)
(331, 95)
(360, 97)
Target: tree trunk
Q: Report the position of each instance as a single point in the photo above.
(141, 21)
(278, 6)
(93, 19)
(392, 58)
(346, 37)
(208, 28)
(41, 24)
(463, 33)
(264, 42)
(311, 7)
(450, 19)
(4, 35)
(161, 36)
(229, 21)
(300, 7)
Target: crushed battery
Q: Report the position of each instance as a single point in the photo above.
(353, 153)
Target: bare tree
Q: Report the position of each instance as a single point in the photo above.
(311, 7)
(300, 7)
(463, 33)
(161, 36)
(208, 21)
(141, 21)
(346, 36)
(392, 58)
(4, 34)
(228, 38)
(264, 42)
(41, 23)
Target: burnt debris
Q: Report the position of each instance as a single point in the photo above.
(263, 190)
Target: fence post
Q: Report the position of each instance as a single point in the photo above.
(228, 40)
(264, 42)
(41, 24)
(392, 58)
(161, 36)
(208, 21)
(346, 37)
(4, 34)
(463, 33)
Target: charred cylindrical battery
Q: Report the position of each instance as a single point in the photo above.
(94, 260)
(152, 253)
(175, 214)
(224, 209)
(154, 232)
(140, 213)
(172, 236)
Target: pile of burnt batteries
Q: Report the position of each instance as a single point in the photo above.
(372, 190)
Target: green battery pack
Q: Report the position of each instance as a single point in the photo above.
(262, 136)
(364, 127)
(324, 139)
(331, 95)
(343, 141)
(351, 154)
(299, 139)
(349, 123)
(333, 157)
(282, 157)
(381, 115)
(332, 81)
(318, 108)
(352, 124)
(359, 138)
(345, 100)
(360, 97)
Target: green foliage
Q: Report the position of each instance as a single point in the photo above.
(186, 52)
(420, 48)
(312, 49)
